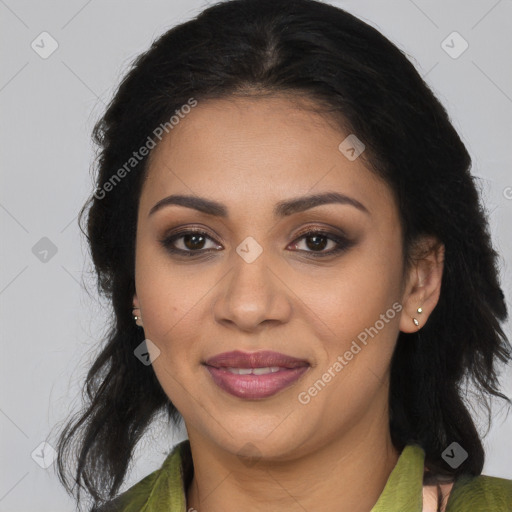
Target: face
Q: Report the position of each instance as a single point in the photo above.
(319, 283)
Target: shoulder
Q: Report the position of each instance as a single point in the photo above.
(133, 498)
(480, 493)
(162, 487)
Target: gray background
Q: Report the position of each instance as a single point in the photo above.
(50, 325)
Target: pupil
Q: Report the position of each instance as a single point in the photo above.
(316, 245)
(188, 238)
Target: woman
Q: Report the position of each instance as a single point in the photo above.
(300, 269)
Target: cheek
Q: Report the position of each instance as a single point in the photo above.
(352, 369)
(360, 305)
(171, 321)
(168, 322)
(171, 294)
(355, 293)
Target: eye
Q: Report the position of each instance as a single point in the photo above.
(191, 241)
(317, 240)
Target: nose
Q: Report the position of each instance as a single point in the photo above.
(253, 296)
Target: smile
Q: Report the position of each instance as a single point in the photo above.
(254, 371)
(255, 383)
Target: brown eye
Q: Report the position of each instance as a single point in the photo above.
(188, 242)
(316, 241)
(193, 241)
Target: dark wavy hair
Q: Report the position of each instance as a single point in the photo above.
(312, 50)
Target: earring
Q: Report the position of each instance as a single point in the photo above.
(415, 320)
(137, 318)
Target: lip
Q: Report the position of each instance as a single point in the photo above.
(262, 359)
(252, 386)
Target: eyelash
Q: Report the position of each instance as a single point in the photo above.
(342, 243)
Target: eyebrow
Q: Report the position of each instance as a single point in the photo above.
(281, 209)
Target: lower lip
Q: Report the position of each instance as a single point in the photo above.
(254, 387)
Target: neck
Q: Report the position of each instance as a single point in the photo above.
(347, 474)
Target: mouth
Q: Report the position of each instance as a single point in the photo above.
(255, 360)
(255, 375)
(254, 371)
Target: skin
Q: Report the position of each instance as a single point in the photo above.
(335, 452)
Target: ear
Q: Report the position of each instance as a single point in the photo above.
(137, 312)
(423, 283)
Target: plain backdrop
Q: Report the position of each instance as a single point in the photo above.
(50, 326)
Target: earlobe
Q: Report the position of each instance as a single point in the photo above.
(415, 321)
(136, 312)
(424, 284)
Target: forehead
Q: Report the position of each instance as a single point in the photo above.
(259, 150)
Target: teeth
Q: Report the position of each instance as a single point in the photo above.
(241, 371)
(254, 371)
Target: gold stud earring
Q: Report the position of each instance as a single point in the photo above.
(137, 318)
(415, 320)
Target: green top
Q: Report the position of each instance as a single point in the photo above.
(163, 490)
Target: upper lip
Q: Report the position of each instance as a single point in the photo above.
(262, 359)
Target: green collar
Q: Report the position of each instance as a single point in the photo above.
(165, 488)
(402, 492)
